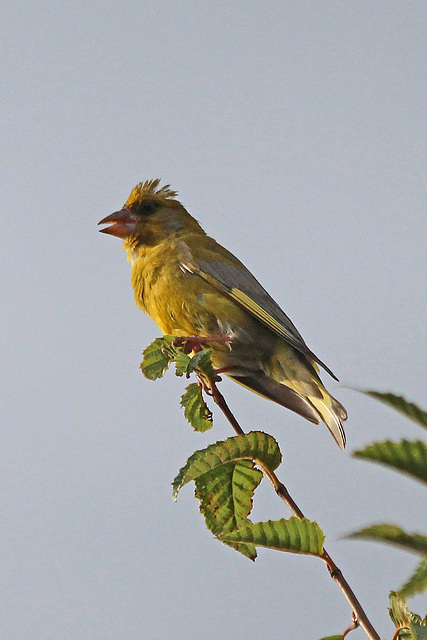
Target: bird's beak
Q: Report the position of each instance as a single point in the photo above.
(123, 223)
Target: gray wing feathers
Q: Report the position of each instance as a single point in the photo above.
(230, 276)
(279, 393)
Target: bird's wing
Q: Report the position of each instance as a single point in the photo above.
(240, 285)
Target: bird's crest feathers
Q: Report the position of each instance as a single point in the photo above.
(148, 189)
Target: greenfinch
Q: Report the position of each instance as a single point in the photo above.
(193, 287)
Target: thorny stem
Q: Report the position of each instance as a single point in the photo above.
(359, 616)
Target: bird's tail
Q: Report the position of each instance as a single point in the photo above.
(332, 413)
(313, 403)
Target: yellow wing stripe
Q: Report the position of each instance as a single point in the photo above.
(246, 302)
(259, 312)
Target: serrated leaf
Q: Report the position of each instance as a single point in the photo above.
(195, 408)
(417, 583)
(409, 409)
(419, 632)
(225, 496)
(157, 357)
(404, 634)
(202, 361)
(393, 535)
(226, 479)
(296, 535)
(212, 489)
(406, 456)
(249, 446)
(398, 611)
(411, 626)
(182, 363)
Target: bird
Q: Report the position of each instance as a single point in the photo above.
(191, 286)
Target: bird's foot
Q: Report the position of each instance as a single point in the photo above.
(224, 370)
(195, 343)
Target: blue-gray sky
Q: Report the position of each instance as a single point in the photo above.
(295, 133)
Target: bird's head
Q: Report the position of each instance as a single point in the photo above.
(149, 215)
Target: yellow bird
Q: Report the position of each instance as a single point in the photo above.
(192, 286)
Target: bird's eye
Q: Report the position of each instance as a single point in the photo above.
(147, 207)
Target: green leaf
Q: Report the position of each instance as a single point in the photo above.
(411, 626)
(157, 358)
(409, 409)
(394, 535)
(415, 543)
(296, 535)
(161, 353)
(417, 583)
(398, 611)
(340, 637)
(202, 361)
(195, 408)
(226, 479)
(404, 634)
(182, 363)
(225, 496)
(419, 632)
(249, 446)
(406, 456)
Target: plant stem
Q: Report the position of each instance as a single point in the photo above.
(359, 616)
(352, 627)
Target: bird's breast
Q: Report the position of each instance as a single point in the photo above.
(183, 304)
(172, 297)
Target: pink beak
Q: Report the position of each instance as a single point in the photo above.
(123, 223)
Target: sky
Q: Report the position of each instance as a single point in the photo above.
(295, 133)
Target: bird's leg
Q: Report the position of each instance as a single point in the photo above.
(224, 370)
(195, 343)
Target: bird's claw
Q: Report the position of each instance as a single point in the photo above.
(195, 343)
(188, 343)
